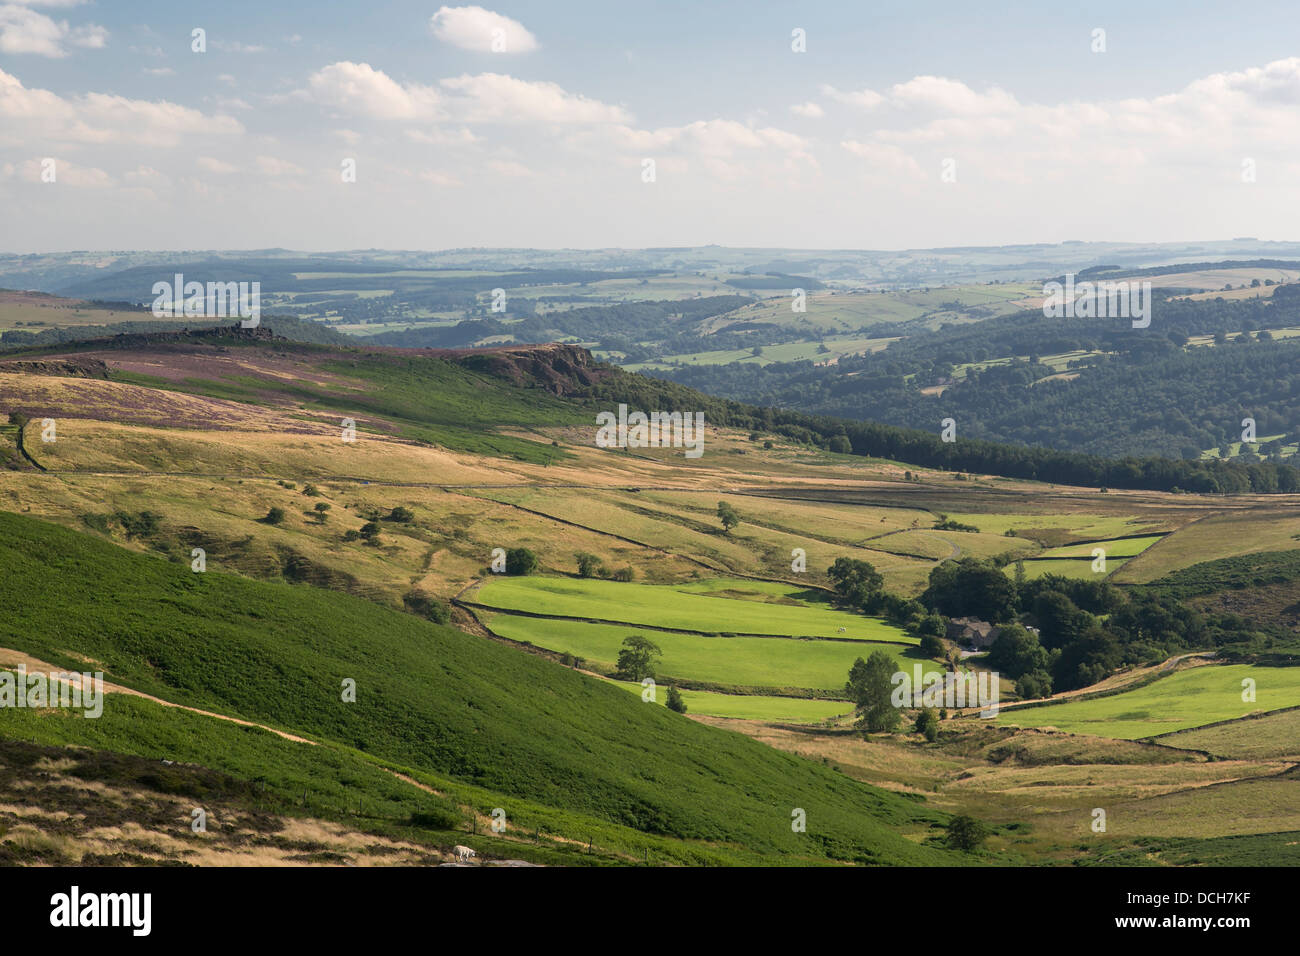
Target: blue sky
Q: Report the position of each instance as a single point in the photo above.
(903, 124)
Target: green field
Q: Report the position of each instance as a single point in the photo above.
(727, 607)
(1076, 524)
(1263, 738)
(1077, 568)
(746, 662)
(793, 710)
(788, 352)
(1189, 698)
(852, 311)
(1115, 548)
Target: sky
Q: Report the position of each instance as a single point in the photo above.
(394, 124)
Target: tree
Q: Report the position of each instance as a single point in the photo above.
(370, 531)
(675, 701)
(637, 658)
(870, 686)
(1017, 652)
(1090, 658)
(420, 602)
(728, 516)
(401, 515)
(855, 581)
(321, 508)
(274, 516)
(971, 586)
(931, 645)
(966, 833)
(589, 565)
(1035, 684)
(521, 561)
(927, 723)
(1059, 621)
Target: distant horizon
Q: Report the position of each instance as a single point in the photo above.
(648, 248)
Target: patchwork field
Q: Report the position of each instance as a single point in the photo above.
(741, 662)
(1188, 698)
(726, 607)
(851, 311)
(791, 710)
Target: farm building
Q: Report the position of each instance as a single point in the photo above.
(972, 631)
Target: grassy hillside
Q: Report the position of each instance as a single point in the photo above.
(433, 699)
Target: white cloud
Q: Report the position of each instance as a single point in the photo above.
(273, 166)
(438, 178)
(440, 136)
(159, 71)
(473, 28)
(498, 98)
(863, 99)
(235, 46)
(942, 95)
(882, 158)
(23, 30)
(100, 118)
(65, 173)
(211, 165)
(717, 137)
(810, 110)
(359, 88)
(510, 168)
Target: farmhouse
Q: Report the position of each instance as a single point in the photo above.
(972, 631)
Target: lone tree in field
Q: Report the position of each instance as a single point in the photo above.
(274, 516)
(966, 833)
(729, 517)
(870, 686)
(636, 661)
(589, 566)
(521, 561)
(675, 701)
(927, 723)
(856, 582)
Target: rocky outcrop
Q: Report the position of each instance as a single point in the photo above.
(73, 368)
(560, 368)
(217, 333)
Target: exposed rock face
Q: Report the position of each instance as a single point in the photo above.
(559, 368)
(74, 368)
(135, 340)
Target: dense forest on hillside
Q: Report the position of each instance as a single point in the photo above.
(1137, 391)
(928, 449)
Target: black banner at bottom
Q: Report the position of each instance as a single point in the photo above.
(333, 905)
